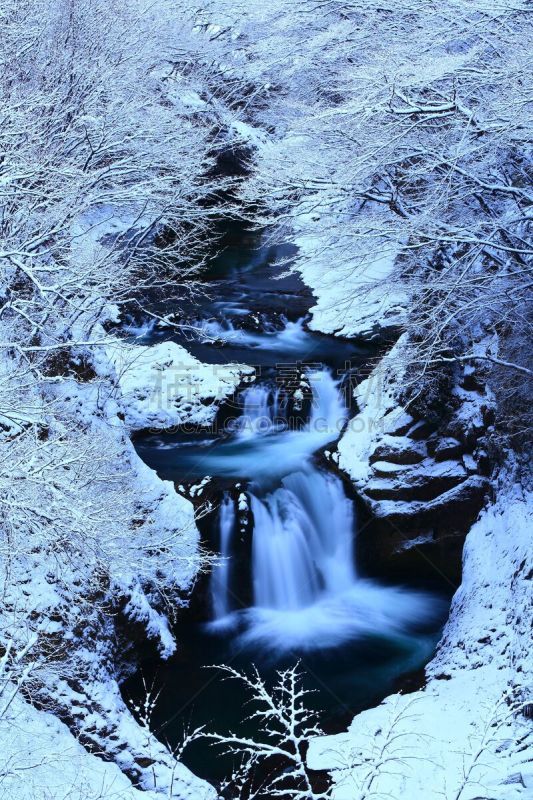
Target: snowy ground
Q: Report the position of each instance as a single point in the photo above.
(148, 560)
(354, 285)
(42, 760)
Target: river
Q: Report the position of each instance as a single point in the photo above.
(287, 585)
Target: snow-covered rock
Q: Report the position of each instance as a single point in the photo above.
(163, 386)
(411, 472)
(41, 759)
(128, 557)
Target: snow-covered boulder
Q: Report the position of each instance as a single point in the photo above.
(412, 473)
(163, 385)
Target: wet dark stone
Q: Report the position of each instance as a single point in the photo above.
(437, 528)
(411, 681)
(421, 430)
(404, 452)
(446, 448)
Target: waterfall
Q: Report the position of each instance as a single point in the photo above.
(265, 407)
(302, 546)
(220, 578)
(302, 542)
(306, 590)
(284, 575)
(328, 411)
(262, 409)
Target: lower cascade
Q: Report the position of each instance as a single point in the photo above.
(221, 575)
(302, 542)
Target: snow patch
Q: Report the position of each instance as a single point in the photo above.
(357, 296)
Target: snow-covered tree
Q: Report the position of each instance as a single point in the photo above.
(401, 159)
(273, 762)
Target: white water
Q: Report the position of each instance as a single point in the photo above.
(263, 411)
(264, 450)
(306, 590)
(141, 331)
(235, 308)
(328, 412)
(220, 583)
(302, 542)
(367, 609)
(290, 339)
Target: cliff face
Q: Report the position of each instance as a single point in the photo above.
(424, 480)
(86, 615)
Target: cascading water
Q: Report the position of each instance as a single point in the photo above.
(302, 542)
(328, 411)
(289, 339)
(220, 583)
(305, 586)
(296, 566)
(262, 411)
(140, 331)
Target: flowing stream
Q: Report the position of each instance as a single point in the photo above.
(287, 584)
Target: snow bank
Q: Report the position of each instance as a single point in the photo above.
(41, 760)
(379, 416)
(163, 385)
(354, 283)
(133, 553)
(464, 735)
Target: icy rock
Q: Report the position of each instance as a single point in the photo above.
(420, 430)
(455, 508)
(397, 422)
(425, 482)
(470, 463)
(386, 468)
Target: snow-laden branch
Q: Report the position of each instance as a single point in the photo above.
(271, 764)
